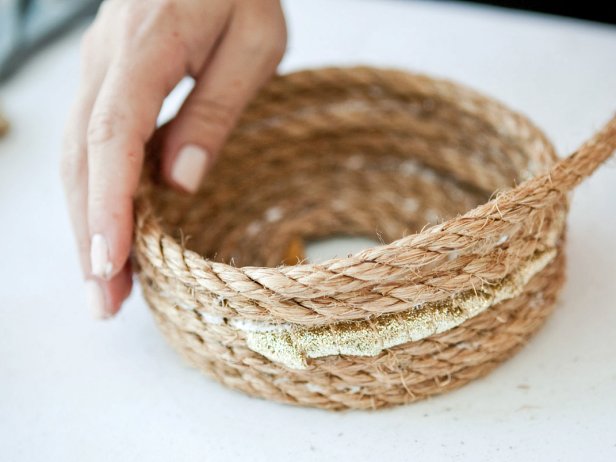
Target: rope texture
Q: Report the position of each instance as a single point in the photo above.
(459, 189)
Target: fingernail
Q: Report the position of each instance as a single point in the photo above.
(99, 257)
(189, 167)
(96, 300)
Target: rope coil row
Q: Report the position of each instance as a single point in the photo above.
(368, 152)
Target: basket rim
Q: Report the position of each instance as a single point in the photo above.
(143, 203)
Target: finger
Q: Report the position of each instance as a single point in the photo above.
(74, 171)
(246, 57)
(104, 299)
(123, 118)
(74, 168)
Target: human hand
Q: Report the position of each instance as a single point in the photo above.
(133, 55)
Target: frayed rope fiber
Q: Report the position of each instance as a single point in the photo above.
(467, 195)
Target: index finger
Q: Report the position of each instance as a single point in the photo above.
(123, 118)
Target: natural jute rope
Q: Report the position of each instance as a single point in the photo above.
(470, 266)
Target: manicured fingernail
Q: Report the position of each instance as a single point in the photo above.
(96, 300)
(189, 167)
(99, 257)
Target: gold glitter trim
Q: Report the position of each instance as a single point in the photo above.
(291, 345)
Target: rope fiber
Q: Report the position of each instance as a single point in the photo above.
(460, 190)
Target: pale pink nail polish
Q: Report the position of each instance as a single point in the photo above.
(189, 167)
(99, 257)
(96, 300)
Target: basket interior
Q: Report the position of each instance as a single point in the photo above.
(365, 160)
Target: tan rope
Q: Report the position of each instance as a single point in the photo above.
(367, 152)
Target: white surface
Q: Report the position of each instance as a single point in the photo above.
(74, 389)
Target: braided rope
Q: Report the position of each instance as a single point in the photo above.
(369, 152)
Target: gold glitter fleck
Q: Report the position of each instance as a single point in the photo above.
(294, 344)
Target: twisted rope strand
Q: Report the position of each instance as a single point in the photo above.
(370, 152)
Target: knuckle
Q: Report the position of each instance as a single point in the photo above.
(101, 129)
(213, 115)
(155, 21)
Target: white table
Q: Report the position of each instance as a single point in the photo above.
(74, 389)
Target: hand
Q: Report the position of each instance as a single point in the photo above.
(133, 55)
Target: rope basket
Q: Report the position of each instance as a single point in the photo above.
(466, 196)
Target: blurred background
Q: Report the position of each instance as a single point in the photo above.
(28, 25)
